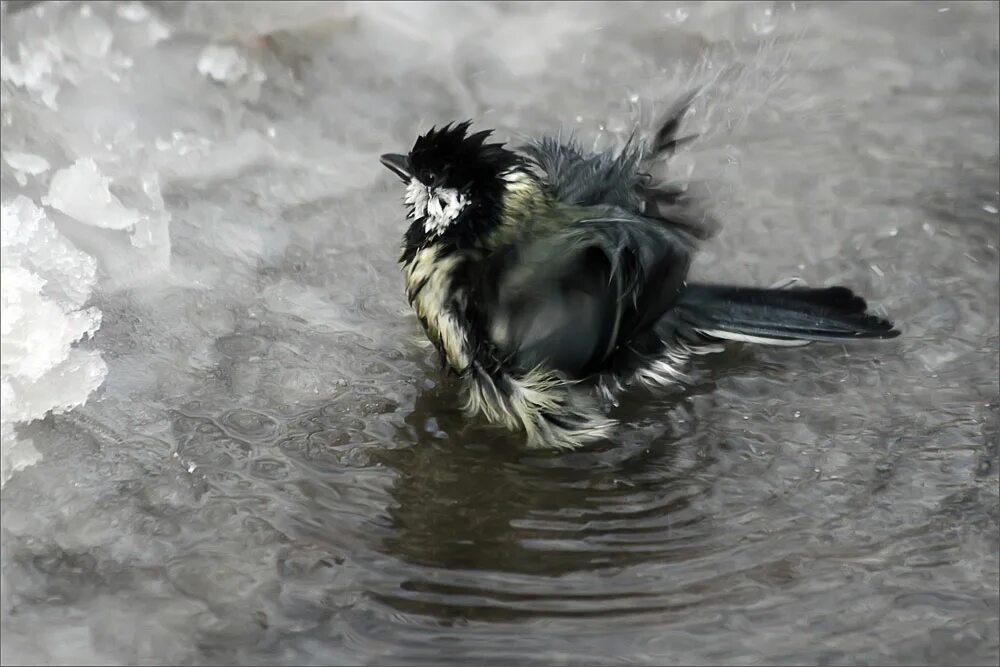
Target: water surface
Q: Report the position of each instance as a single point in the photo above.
(275, 471)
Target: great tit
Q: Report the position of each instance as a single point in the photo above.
(550, 278)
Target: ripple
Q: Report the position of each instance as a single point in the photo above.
(269, 468)
(319, 499)
(215, 451)
(261, 532)
(254, 426)
(210, 577)
(148, 451)
(239, 346)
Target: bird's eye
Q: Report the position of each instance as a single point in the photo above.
(437, 177)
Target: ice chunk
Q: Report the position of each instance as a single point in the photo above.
(33, 70)
(157, 30)
(230, 20)
(81, 192)
(222, 63)
(98, 218)
(30, 240)
(60, 43)
(45, 281)
(26, 354)
(15, 454)
(136, 12)
(132, 11)
(91, 33)
(24, 164)
(63, 387)
(152, 231)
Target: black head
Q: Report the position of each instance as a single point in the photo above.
(455, 181)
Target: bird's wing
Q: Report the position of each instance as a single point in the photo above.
(577, 177)
(568, 300)
(581, 178)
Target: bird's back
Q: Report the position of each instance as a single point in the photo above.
(585, 263)
(569, 296)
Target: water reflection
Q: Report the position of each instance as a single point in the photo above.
(492, 528)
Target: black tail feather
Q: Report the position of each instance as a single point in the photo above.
(781, 316)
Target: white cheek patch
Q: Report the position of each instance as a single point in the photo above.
(439, 208)
(416, 197)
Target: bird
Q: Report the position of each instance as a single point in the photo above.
(552, 279)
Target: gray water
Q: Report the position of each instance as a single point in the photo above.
(275, 472)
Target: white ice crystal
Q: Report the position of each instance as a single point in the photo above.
(45, 281)
(222, 63)
(81, 191)
(25, 164)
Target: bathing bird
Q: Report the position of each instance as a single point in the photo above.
(551, 279)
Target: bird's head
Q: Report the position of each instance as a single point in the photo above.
(455, 182)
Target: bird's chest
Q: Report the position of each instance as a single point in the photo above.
(435, 298)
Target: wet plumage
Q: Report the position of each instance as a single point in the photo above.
(548, 276)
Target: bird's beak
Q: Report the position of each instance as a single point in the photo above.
(397, 164)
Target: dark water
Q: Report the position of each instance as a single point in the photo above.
(275, 472)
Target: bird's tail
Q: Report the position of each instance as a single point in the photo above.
(769, 316)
